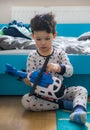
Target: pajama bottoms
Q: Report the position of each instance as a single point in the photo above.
(76, 94)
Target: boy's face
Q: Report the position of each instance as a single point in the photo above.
(43, 40)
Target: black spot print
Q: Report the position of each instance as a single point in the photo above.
(84, 104)
(54, 107)
(39, 60)
(48, 104)
(77, 101)
(27, 100)
(41, 104)
(34, 105)
(40, 64)
(67, 91)
(70, 96)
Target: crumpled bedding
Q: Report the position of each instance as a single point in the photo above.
(71, 44)
(10, 43)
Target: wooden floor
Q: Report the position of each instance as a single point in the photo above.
(14, 117)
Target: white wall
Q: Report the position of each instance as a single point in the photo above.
(63, 14)
(7, 5)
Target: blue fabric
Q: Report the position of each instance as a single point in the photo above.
(79, 108)
(63, 69)
(68, 104)
(19, 24)
(17, 29)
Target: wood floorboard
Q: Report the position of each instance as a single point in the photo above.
(14, 117)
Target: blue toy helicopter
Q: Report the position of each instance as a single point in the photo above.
(44, 81)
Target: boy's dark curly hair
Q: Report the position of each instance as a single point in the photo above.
(43, 22)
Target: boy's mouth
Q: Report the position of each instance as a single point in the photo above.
(43, 47)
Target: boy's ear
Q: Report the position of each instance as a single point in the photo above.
(54, 35)
(32, 35)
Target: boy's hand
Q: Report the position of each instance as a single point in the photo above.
(27, 82)
(53, 67)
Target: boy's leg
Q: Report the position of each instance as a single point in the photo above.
(79, 97)
(34, 103)
(79, 115)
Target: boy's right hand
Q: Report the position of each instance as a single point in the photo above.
(27, 81)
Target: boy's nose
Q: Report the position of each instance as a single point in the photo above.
(43, 42)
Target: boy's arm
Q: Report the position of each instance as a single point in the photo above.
(66, 66)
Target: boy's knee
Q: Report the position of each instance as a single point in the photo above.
(26, 101)
(84, 90)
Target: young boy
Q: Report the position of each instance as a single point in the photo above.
(55, 95)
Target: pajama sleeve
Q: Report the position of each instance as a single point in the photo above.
(66, 66)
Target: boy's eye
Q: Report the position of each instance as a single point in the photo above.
(38, 39)
(47, 38)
